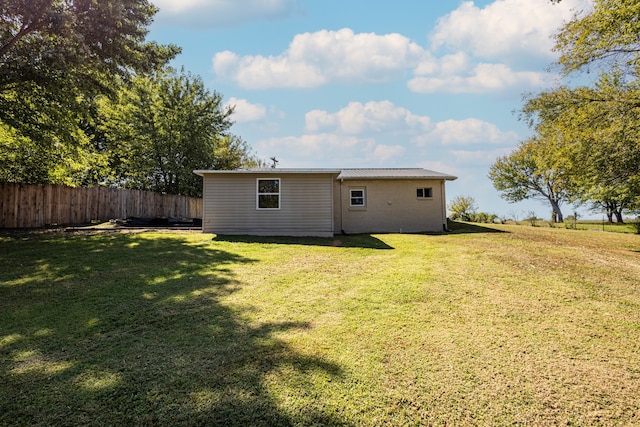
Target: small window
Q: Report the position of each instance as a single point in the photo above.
(268, 193)
(357, 197)
(425, 193)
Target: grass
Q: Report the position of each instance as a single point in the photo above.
(488, 325)
(593, 225)
(627, 227)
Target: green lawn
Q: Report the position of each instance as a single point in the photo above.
(495, 325)
(627, 227)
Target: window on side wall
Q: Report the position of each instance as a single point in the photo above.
(424, 193)
(357, 198)
(268, 196)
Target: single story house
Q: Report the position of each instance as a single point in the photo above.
(323, 202)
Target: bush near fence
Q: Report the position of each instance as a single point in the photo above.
(35, 206)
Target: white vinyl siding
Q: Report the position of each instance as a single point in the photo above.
(305, 205)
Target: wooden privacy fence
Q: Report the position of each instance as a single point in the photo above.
(33, 206)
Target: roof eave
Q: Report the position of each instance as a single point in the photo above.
(266, 171)
(407, 177)
(338, 172)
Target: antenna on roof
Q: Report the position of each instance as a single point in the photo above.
(275, 162)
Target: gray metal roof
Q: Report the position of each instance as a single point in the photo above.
(393, 173)
(278, 171)
(345, 174)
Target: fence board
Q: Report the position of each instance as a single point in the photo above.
(34, 206)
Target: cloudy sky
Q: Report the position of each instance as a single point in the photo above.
(363, 83)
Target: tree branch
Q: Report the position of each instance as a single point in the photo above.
(35, 24)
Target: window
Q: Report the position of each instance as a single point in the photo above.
(356, 197)
(268, 194)
(424, 193)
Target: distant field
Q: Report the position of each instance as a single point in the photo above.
(497, 325)
(628, 226)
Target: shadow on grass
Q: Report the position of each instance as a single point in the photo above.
(364, 241)
(128, 329)
(456, 227)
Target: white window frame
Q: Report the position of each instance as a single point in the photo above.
(425, 190)
(363, 197)
(258, 194)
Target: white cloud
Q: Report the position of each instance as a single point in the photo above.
(382, 134)
(504, 28)
(313, 59)
(478, 157)
(482, 78)
(515, 36)
(245, 111)
(372, 117)
(379, 118)
(223, 13)
(482, 50)
(439, 166)
(330, 150)
(384, 120)
(466, 132)
(172, 6)
(260, 72)
(387, 153)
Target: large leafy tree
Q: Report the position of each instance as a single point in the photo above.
(605, 36)
(598, 129)
(233, 152)
(55, 57)
(597, 125)
(532, 172)
(85, 45)
(161, 129)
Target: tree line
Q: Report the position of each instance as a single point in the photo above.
(85, 100)
(585, 147)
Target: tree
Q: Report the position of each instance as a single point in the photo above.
(531, 173)
(607, 35)
(598, 130)
(597, 127)
(164, 127)
(610, 208)
(23, 160)
(88, 44)
(56, 56)
(463, 208)
(232, 152)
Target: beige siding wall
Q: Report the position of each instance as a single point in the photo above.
(306, 205)
(337, 206)
(392, 207)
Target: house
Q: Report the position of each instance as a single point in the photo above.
(323, 202)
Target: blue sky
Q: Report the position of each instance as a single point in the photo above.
(354, 83)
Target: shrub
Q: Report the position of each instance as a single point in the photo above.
(463, 208)
(481, 217)
(570, 222)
